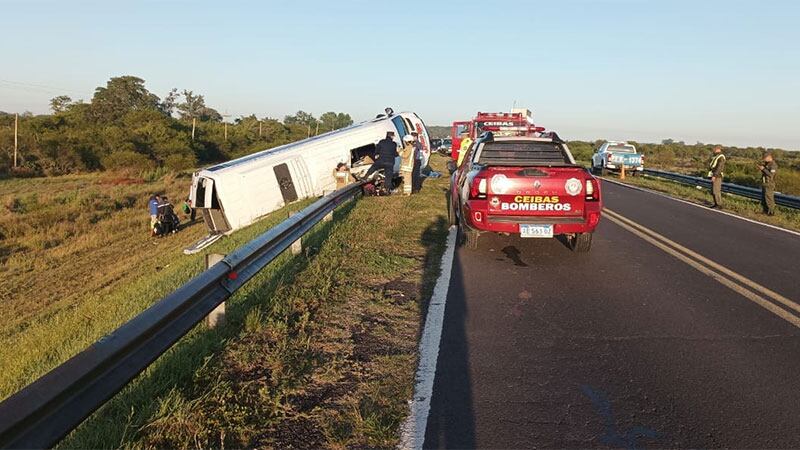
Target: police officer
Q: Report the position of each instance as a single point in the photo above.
(716, 172)
(385, 154)
(768, 169)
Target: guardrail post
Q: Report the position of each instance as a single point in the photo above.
(622, 172)
(217, 316)
(328, 217)
(297, 246)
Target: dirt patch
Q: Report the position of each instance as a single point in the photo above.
(121, 181)
(371, 339)
(293, 432)
(402, 291)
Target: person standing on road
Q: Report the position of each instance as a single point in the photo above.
(385, 154)
(407, 164)
(716, 172)
(466, 143)
(768, 169)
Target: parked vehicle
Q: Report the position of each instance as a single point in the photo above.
(236, 193)
(612, 156)
(528, 186)
(445, 147)
(519, 122)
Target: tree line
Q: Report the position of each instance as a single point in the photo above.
(693, 159)
(127, 127)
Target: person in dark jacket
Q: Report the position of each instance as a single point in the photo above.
(716, 172)
(768, 169)
(385, 154)
(416, 174)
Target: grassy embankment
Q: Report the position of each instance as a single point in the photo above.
(320, 355)
(77, 262)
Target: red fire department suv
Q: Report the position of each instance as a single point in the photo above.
(528, 186)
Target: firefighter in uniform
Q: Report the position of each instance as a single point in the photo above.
(716, 172)
(466, 143)
(768, 169)
(407, 163)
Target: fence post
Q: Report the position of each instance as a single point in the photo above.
(622, 172)
(297, 246)
(217, 316)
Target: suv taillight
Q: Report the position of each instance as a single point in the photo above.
(592, 190)
(608, 157)
(477, 189)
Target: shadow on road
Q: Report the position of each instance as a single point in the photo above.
(451, 422)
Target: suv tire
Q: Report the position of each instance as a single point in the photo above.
(580, 242)
(452, 218)
(468, 238)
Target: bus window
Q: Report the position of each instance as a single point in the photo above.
(410, 126)
(401, 127)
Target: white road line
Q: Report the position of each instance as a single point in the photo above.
(661, 194)
(412, 432)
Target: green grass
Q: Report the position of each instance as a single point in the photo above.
(785, 217)
(319, 350)
(101, 270)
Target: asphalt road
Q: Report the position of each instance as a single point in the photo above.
(627, 346)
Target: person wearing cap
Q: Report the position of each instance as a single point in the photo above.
(716, 172)
(768, 169)
(407, 162)
(466, 143)
(385, 154)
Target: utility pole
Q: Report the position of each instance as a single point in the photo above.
(259, 129)
(317, 132)
(16, 138)
(309, 130)
(194, 123)
(224, 120)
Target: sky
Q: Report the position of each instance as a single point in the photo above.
(723, 72)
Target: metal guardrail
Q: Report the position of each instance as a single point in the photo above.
(42, 413)
(789, 201)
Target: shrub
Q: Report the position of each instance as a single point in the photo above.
(127, 161)
(178, 162)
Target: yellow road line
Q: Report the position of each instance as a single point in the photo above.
(656, 239)
(716, 266)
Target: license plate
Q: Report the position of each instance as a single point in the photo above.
(536, 231)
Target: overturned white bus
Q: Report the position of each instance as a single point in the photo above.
(236, 193)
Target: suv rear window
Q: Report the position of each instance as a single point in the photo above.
(622, 148)
(523, 153)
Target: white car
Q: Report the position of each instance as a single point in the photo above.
(614, 155)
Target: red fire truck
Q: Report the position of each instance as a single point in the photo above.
(519, 122)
